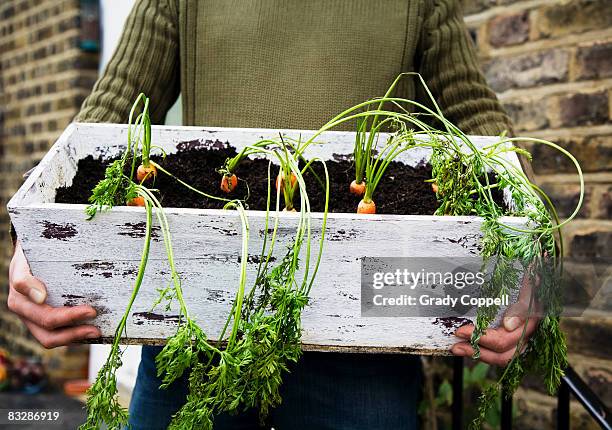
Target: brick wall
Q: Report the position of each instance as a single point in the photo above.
(44, 76)
(550, 62)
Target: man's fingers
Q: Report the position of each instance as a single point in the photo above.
(490, 357)
(31, 287)
(500, 339)
(19, 264)
(51, 339)
(465, 331)
(49, 317)
(497, 346)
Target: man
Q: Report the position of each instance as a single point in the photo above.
(285, 64)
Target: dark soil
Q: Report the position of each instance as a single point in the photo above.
(403, 190)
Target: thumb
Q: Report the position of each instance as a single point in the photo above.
(22, 281)
(516, 314)
(31, 287)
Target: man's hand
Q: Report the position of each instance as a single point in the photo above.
(497, 345)
(50, 326)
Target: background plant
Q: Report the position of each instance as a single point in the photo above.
(475, 379)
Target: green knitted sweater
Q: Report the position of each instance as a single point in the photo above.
(291, 63)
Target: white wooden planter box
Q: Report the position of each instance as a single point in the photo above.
(94, 262)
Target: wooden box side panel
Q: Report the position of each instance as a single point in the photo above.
(96, 263)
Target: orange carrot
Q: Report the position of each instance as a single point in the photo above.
(136, 201)
(146, 172)
(366, 207)
(357, 188)
(229, 183)
(281, 177)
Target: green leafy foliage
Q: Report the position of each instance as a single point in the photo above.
(248, 374)
(183, 350)
(102, 403)
(464, 189)
(265, 332)
(114, 189)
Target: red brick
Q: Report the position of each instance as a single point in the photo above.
(594, 61)
(21, 146)
(527, 70)
(527, 114)
(572, 17)
(603, 209)
(582, 109)
(565, 197)
(509, 29)
(591, 245)
(584, 335)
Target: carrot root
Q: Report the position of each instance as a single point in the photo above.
(366, 207)
(146, 172)
(136, 201)
(228, 183)
(357, 189)
(281, 177)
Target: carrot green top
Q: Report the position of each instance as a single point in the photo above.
(291, 63)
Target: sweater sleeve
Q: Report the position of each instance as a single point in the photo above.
(449, 66)
(145, 60)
